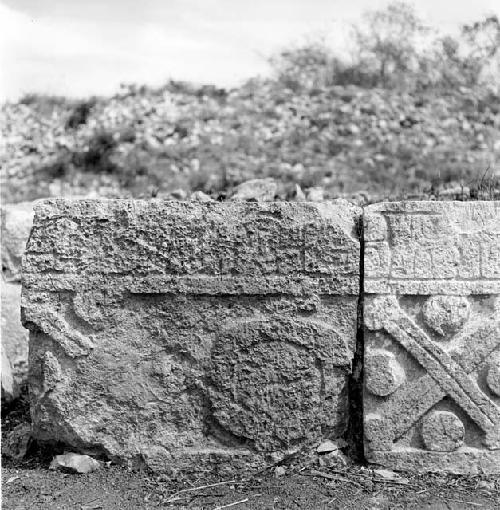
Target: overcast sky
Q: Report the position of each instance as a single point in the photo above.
(82, 47)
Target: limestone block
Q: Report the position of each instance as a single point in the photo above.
(16, 221)
(14, 337)
(180, 333)
(432, 336)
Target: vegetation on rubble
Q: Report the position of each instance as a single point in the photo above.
(412, 113)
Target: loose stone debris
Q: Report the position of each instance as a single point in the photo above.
(75, 463)
(16, 444)
(258, 190)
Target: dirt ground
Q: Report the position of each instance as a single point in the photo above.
(35, 487)
(28, 484)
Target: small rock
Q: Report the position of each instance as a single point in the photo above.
(75, 463)
(333, 459)
(277, 457)
(299, 194)
(17, 442)
(353, 129)
(199, 196)
(327, 447)
(387, 474)
(484, 484)
(316, 194)
(330, 446)
(279, 471)
(178, 194)
(258, 190)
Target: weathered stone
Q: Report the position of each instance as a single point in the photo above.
(258, 190)
(432, 311)
(16, 220)
(9, 388)
(75, 463)
(316, 194)
(179, 334)
(17, 441)
(442, 431)
(14, 336)
(199, 196)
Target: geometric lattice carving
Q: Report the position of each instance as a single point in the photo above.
(441, 330)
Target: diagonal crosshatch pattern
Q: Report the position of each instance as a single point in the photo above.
(432, 336)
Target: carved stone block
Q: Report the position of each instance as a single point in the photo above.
(177, 334)
(432, 336)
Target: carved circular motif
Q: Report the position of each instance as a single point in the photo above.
(274, 382)
(493, 377)
(442, 431)
(383, 373)
(446, 314)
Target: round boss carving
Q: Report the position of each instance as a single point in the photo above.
(268, 380)
(383, 373)
(446, 314)
(442, 431)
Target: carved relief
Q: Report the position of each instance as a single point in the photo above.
(431, 395)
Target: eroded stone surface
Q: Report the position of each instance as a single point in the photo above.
(14, 336)
(178, 334)
(432, 284)
(16, 222)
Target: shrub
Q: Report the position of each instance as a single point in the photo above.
(97, 158)
(80, 113)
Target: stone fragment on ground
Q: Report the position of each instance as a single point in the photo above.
(330, 446)
(432, 339)
(75, 463)
(16, 442)
(180, 335)
(256, 190)
(279, 471)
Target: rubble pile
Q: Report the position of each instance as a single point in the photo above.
(352, 142)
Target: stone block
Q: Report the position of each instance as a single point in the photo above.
(16, 221)
(432, 336)
(181, 334)
(14, 337)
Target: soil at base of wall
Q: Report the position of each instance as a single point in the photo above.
(30, 485)
(35, 487)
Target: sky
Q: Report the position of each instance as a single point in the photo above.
(83, 47)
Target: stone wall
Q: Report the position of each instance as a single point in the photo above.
(177, 334)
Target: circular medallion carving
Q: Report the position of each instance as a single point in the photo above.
(383, 373)
(446, 314)
(442, 431)
(274, 382)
